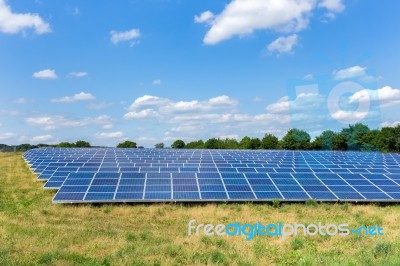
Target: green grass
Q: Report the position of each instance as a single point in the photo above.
(33, 231)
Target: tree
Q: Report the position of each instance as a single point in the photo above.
(339, 142)
(178, 144)
(82, 144)
(296, 139)
(195, 145)
(269, 141)
(159, 146)
(127, 144)
(324, 141)
(65, 145)
(230, 144)
(245, 143)
(255, 143)
(213, 143)
(354, 134)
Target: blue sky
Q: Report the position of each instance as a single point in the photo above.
(158, 70)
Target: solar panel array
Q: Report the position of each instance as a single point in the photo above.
(148, 175)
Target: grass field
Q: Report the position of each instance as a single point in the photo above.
(33, 231)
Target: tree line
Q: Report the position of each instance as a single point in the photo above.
(357, 137)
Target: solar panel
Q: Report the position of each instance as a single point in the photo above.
(146, 175)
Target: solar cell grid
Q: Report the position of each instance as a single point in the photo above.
(215, 174)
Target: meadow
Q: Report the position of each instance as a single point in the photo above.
(33, 231)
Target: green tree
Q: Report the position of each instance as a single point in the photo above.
(324, 141)
(296, 139)
(159, 146)
(230, 144)
(65, 145)
(354, 134)
(269, 141)
(127, 144)
(178, 144)
(199, 144)
(82, 144)
(339, 142)
(245, 143)
(213, 143)
(255, 143)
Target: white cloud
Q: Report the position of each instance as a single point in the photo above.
(205, 17)
(349, 73)
(308, 77)
(48, 122)
(41, 139)
(8, 112)
(15, 23)
(143, 114)
(7, 135)
(349, 117)
(82, 96)
(243, 17)
(303, 102)
(390, 124)
(146, 139)
(230, 136)
(283, 44)
(258, 99)
(332, 6)
(187, 128)
(45, 74)
(387, 96)
(110, 135)
(98, 106)
(156, 82)
(80, 74)
(123, 36)
(108, 126)
(21, 101)
(149, 106)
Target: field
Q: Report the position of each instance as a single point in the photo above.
(33, 231)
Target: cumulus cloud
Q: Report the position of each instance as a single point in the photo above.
(82, 96)
(45, 74)
(349, 73)
(50, 122)
(13, 23)
(149, 106)
(124, 36)
(387, 96)
(283, 44)
(80, 74)
(205, 17)
(332, 6)
(110, 135)
(303, 101)
(243, 17)
(41, 139)
(349, 117)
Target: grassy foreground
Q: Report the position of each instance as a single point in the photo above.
(33, 231)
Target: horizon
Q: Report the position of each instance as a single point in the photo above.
(157, 71)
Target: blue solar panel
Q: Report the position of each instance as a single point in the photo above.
(107, 175)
